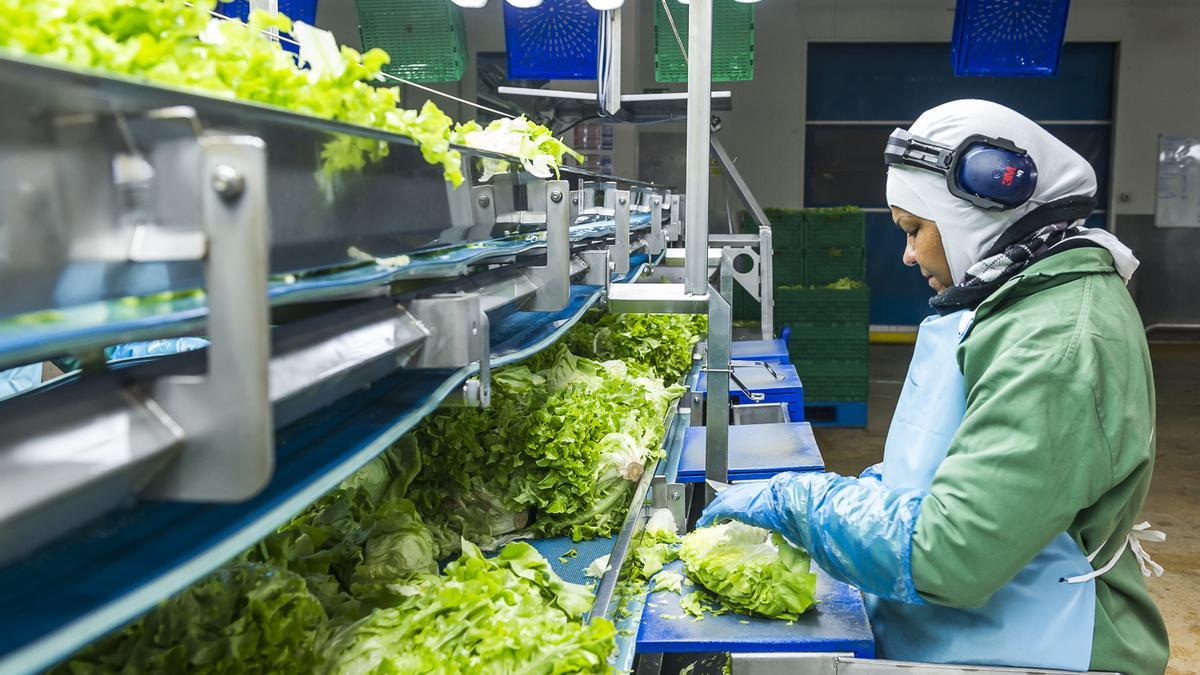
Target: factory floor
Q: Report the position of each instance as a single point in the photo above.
(1174, 502)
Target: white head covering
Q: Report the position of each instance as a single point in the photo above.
(968, 231)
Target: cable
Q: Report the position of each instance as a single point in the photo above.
(388, 76)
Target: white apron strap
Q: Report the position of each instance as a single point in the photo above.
(1133, 541)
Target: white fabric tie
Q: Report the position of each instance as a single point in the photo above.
(1133, 541)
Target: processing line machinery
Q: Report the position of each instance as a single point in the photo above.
(340, 307)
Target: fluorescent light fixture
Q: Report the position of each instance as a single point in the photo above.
(470, 4)
(603, 5)
(524, 4)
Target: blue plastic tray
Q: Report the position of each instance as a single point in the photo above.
(838, 623)
(756, 451)
(769, 351)
(1009, 38)
(554, 41)
(781, 387)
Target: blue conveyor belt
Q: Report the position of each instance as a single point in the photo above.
(78, 588)
(23, 338)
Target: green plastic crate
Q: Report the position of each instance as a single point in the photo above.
(822, 306)
(834, 228)
(732, 42)
(787, 267)
(787, 227)
(828, 265)
(834, 380)
(425, 38)
(819, 343)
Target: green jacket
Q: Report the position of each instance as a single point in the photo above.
(1058, 436)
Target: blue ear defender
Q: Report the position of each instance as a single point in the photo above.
(989, 172)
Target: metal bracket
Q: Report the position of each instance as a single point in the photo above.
(554, 279)
(226, 415)
(670, 496)
(675, 226)
(657, 242)
(483, 211)
(599, 271)
(449, 346)
(620, 248)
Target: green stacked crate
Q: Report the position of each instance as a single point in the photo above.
(828, 341)
(425, 40)
(828, 265)
(833, 245)
(732, 41)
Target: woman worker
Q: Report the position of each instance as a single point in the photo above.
(995, 530)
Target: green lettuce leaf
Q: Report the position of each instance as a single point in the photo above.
(750, 570)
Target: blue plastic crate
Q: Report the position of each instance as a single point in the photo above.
(296, 10)
(556, 40)
(1009, 38)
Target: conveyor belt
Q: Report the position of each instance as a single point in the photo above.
(84, 585)
(23, 338)
(837, 623)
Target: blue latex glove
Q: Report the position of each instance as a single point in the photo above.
(858, 531)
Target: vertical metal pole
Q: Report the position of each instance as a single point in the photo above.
(698, 114)
(716, 414)
(766, 281)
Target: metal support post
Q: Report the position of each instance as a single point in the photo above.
(766, 281)
(716, 415)
(620, 249)
(226, 415)
(554, 279)
(698, 131)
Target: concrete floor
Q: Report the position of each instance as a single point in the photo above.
(1173, 505)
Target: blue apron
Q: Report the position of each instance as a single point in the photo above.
(1035, 620)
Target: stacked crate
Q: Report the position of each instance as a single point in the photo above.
(828, 317)
(817, 251)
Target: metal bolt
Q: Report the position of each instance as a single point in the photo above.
(228, 182)
(675, 496)
(555, 196)
(484, 201)
(622, 201)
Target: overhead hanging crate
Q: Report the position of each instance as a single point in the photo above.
(424, 38)
(1013, 38)
(556, 40)
(732, 42)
